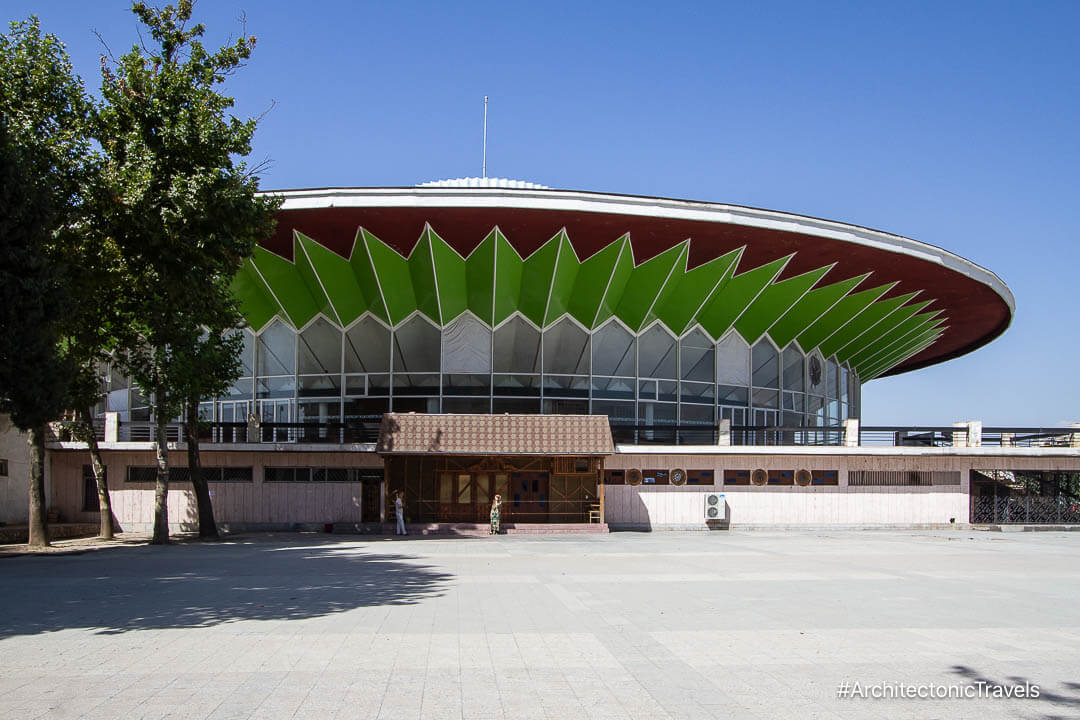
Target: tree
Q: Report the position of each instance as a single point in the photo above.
(184, 215)
(206, 368)
(44, 170)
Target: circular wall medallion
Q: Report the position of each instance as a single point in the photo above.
(633, 477)
(759, 477)
(678, 476)
(803, 478)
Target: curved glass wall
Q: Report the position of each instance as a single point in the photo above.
(650, 379)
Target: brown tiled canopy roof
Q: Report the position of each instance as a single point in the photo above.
(495, 434)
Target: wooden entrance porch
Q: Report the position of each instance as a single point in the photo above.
(547, 469)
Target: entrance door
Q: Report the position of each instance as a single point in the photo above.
(529, 497)
(369, 500)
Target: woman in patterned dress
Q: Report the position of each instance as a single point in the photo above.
(496, 507)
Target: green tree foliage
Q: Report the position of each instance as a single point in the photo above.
(45, 172)
(184, 214)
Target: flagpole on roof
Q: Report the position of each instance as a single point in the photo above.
(484, 152)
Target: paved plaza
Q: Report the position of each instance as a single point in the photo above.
(680, 625)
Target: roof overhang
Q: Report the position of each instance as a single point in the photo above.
(451, 434)
(976, 302)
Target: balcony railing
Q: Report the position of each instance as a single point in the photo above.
(365, 429)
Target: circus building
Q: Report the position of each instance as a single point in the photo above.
(601, 361)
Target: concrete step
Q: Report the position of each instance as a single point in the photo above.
(556, 528)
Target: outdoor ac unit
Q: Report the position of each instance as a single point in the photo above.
(715, 506)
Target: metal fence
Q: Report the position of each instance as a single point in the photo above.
(1025, 510)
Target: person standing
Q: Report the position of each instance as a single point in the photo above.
(496, 512)
(399, 511)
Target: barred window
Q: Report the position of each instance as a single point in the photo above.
(148, 474)
(321, 474)
(902, 478)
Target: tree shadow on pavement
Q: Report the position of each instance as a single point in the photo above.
(205, 584)
(1067, 701)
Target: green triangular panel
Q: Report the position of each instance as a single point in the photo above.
(686, 293)
(509, 268)
(392, 274)
(927, 325)
(256, 303)
(722, 310)
(592, 282)
(450, 278)
(536, 280)
(888, 341)
(480, 279)
(773, 302)
(901, 348)
(839, 315)
(616, 284)
(335, 275)
(287, 286)
(366, 281)
(311, 278)
(910, 349)
(862, 322)
(874, 334)
(645, 283)
(567, 266)
(422, 274)
(813, 305)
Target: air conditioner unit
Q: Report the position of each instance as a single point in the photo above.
(715, 506)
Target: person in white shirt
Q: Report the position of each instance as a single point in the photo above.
(399, 511)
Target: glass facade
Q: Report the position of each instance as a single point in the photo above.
(653, 378)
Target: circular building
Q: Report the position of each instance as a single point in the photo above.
(496, 296)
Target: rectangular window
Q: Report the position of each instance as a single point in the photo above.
(699, 477)
(3, 467)
(614, 477)
(889, 478)
(824, 477)
(148, 474)
(369, 474)
(654, 477)
(736, 477)
(781, 477)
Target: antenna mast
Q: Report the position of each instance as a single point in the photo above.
(484, 152)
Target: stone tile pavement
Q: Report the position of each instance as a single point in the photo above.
(662, 625)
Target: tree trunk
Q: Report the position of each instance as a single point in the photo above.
(104, 502)
(207, 526)
(38, 530)
(161, 490)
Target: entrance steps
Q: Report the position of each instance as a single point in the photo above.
(481, 529)
(555, 528)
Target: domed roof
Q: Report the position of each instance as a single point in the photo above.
(484, 182)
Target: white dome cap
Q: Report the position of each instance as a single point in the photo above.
(489, 182)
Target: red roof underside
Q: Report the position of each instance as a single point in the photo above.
(976, 313)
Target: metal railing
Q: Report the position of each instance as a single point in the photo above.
(365, 429)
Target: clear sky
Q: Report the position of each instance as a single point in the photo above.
(951, 123)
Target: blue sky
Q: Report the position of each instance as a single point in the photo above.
(951, 123)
